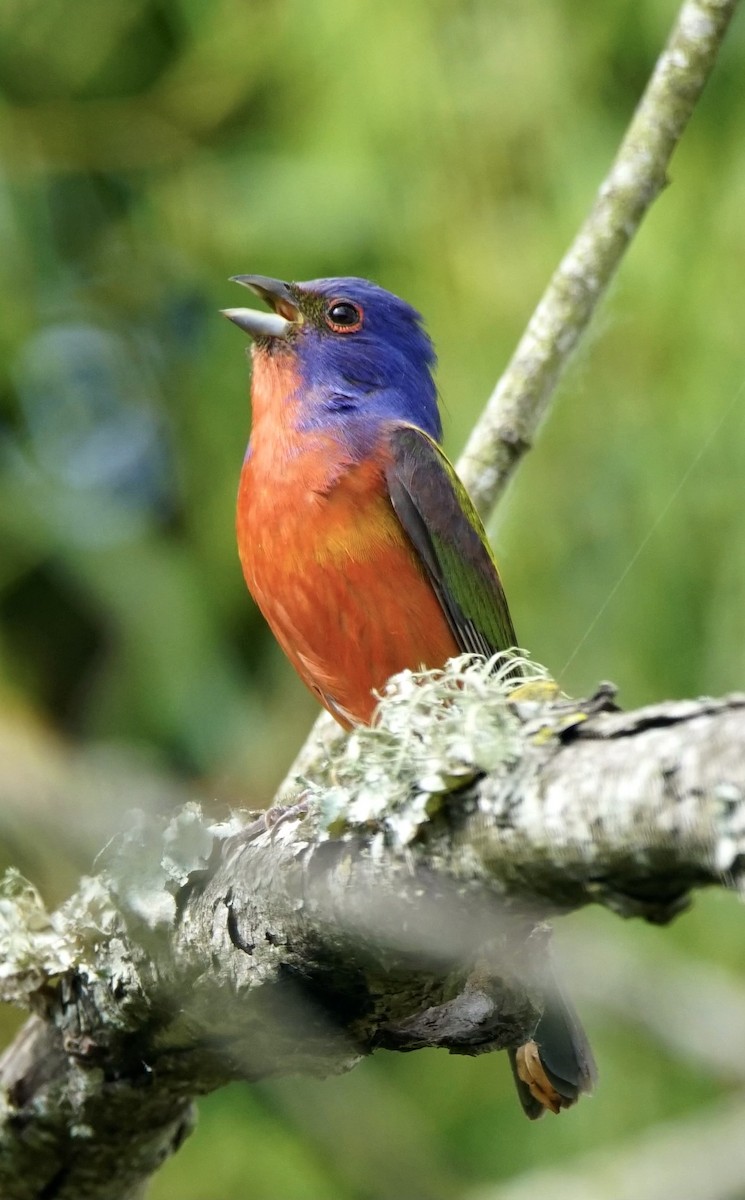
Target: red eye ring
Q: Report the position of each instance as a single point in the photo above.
(343, 316)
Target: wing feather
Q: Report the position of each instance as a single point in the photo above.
(439, 517)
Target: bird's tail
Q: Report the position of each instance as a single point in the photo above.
(556, 1066)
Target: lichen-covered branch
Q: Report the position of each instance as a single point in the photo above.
(519, 402)
(399, 902)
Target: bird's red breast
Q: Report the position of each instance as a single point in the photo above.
(325, 556)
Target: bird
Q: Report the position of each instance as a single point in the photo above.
(361, 545)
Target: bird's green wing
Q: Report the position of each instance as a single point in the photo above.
(439, 517)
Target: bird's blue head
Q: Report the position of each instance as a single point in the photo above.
(361, 353)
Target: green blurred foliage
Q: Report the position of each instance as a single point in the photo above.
(448, 149)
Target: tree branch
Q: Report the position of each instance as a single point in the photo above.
(300, 941)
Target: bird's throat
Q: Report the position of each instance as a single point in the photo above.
(275, 388)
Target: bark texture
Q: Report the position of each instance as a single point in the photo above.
(405, 913)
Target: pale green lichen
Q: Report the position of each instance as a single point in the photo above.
(433, 732)
(154, 856)
(140, 872)
(187, 844)
(28, 945)
(37, 947)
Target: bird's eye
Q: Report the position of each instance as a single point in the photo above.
(343, 316)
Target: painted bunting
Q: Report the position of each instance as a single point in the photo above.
(359, 542)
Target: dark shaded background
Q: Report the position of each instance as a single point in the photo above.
(152, 148)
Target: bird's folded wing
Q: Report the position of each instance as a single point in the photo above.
(439, 517)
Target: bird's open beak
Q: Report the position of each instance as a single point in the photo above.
(277, 324)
